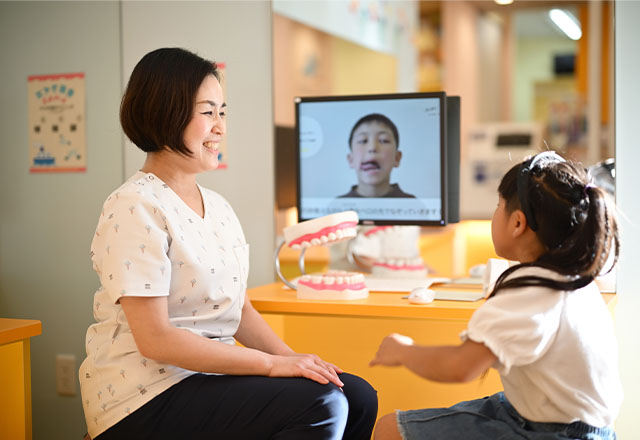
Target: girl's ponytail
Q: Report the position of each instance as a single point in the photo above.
(572, 218)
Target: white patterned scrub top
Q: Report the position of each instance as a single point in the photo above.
(149, 243)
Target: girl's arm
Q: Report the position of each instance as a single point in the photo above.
(461, 363)
(157, 339)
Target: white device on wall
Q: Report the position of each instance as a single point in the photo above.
(492, 149)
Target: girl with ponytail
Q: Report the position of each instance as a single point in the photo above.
(544, 327)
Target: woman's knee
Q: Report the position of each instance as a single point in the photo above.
(359, 392)
(324, 415)
(323, 401)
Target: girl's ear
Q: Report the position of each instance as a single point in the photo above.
(518, 223)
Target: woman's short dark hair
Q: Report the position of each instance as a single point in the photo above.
(160, 98)
(376, 117)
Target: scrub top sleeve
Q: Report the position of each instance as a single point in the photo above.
(131, 255)
(517, 325)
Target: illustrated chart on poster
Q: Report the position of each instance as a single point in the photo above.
(57, 129)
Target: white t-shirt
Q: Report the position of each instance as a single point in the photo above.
(557, 351)
(149, 243)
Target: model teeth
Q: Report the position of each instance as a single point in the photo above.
(337, 277)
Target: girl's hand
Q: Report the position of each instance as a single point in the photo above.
(306, 365)
(389, 352)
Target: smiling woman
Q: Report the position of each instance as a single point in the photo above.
(162, 361)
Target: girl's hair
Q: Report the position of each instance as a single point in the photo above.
(573, 219)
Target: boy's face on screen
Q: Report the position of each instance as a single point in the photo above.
(374, 153)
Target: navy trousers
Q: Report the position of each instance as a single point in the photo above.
(253, 407)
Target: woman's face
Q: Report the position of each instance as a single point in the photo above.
(207, 127)
(374, 153)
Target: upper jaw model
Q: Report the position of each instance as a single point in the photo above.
(327, 230)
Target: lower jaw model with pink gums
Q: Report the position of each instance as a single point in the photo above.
(333, 285)
(327, 230)
(399, 268)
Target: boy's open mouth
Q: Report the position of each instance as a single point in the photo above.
(370, 165)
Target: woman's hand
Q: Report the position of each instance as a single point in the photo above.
(389, 352)
(306, 365)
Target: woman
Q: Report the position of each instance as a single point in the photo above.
(173, 262)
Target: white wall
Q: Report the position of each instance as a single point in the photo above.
(627, 67)
(47, 221)
(238, 34)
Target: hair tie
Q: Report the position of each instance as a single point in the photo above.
(586, 188)
(522, 182)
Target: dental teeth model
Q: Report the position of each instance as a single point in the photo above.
(327, 230)
(393, 251)
(399, 268)
(333, 285)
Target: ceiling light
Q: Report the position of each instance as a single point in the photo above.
(504, 2)
(566, 22)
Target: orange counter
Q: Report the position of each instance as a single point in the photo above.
(15, 380)
(348, 333)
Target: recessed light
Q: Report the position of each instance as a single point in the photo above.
(566, 22)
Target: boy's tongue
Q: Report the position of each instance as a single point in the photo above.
(369, 165)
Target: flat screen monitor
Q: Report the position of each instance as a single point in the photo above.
(383, 156)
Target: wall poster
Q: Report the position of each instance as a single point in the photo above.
(57, 140)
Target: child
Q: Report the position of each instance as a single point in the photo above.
(544, 327)
(373, 153)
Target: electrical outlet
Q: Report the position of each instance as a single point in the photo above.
(66, 374)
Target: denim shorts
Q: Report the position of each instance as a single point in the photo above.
(491, 418)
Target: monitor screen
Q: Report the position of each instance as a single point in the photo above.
(382, 156)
